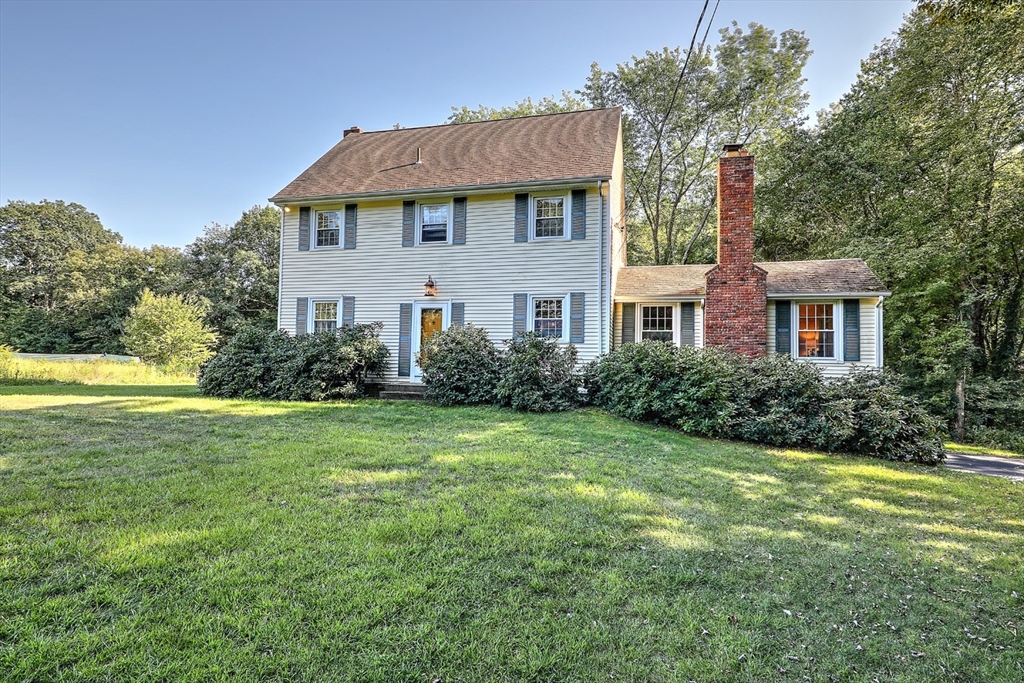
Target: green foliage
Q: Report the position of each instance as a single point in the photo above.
(773, 400)
(527, 107)
(168, 331)
(461, 366)
(539, 375)
(259, 363)
(27, 371)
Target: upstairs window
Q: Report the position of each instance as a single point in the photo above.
(656, 323)
(816, 331)
(325, 316)
(547, 317)
(548, 217)
(434, 223)
(329, 225)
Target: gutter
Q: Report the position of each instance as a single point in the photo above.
(879, 337)
(454, 189)
(280, 271)
(826, 295)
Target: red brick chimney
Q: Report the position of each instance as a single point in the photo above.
(350, 131)
(736, 303)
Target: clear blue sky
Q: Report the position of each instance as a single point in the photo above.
(165, 117)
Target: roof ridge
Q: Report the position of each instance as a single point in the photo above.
(510, 118)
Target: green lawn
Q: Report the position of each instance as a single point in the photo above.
(148, 534)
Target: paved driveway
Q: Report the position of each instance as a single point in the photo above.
(991, 465)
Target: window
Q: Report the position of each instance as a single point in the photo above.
(548, 217)
(816, 331)
(325, 316)
(656, 323)
(547, 317)
(434, 223)
(328, 228)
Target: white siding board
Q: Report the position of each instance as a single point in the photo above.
(867, 339)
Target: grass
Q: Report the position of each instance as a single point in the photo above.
(982, 450)
(149, 534)
(24, 371)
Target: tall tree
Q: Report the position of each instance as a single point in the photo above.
(568, 101)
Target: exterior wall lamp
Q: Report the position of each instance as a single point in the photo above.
(429, 287)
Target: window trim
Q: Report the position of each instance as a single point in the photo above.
(450, 202)
(638, 322)
(532, 313)
(314, 229)
(566, 197)
(837, 336)
(311, 313)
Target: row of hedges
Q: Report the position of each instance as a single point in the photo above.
(773, 400)
(311, 367)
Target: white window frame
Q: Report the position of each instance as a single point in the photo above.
(314, 228)
(837, 330)
(566, 216)
(311, 313)
(419, 221)
(638, 321)
(564, 298)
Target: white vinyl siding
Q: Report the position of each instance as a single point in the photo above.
(483, 274)
(838, 368)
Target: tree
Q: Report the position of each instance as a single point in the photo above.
(236, 269)
(168, 330)
(546, 105)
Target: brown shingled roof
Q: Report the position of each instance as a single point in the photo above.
(839, 276)
(552, 147)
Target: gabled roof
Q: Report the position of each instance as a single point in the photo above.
(570, 146)
(839, 276)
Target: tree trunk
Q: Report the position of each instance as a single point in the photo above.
(961, 410)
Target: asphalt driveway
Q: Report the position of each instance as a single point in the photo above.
(990, 465)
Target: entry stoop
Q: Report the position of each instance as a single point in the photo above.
(402, 391)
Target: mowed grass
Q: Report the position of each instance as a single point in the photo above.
(148, 534)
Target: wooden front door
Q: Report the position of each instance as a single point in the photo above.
(428, 318)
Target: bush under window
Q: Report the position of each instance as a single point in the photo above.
(539, 375)
(461, 365)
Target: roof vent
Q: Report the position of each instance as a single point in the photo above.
(353, 129)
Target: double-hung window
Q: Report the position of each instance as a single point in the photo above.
(435, 223)
(549, 217)
(329, 225)
(656, 323)
(816, 331)
(548, 316)
(325, 316)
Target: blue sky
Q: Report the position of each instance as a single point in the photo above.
(165, 117)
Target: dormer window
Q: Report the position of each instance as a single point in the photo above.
(435, 223)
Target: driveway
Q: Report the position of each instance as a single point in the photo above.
(990, 465)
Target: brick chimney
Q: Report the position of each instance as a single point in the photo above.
(736, 303)
(349, 131)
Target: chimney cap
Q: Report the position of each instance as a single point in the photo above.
(353, 129)
(734, 149)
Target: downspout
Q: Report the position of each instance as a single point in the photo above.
(280, 268)
(600, 275)
(878, 332)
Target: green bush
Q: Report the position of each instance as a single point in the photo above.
(257, 363)
(168, 331)
(539, 375)
(461, 366)
(781, 402)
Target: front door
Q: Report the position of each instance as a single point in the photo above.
(428, 318)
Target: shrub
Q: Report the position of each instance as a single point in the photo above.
(461, 365)
(539, 375)
(311, 367)
(168, 331)
(781, 403)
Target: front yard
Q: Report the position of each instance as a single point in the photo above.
(148, 534)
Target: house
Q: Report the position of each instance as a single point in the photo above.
(516, 225)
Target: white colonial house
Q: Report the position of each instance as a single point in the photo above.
(518, 224)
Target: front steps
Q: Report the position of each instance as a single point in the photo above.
(402, 391)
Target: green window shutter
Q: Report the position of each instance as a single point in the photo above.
(579, 214)
(404, 339)
(851, 329)
(522, 217)
(348, 311)
(687, 334)
(628, 323)
(458, 314)
(459, 221)
(576, 310)
(518, 314)
(350, 226)
(783, 322)
(408, 225)
(304, 216)
(301, 313)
